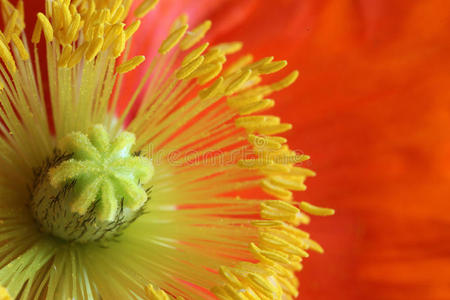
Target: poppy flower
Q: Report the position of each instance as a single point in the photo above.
(125, 179)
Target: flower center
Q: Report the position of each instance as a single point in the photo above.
(91, 188)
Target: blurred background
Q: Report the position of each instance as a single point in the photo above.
(371, 107)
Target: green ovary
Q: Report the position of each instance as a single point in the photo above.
(92, 187)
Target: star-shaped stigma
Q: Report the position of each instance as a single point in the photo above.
(104, 171)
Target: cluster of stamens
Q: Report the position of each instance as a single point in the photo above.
(93, 186)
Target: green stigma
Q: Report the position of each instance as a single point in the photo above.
(92, 187)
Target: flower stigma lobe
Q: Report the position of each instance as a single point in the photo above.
(93, 180)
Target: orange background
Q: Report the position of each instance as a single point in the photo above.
(372, 109)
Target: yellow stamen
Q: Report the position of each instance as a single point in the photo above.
(232, 279)
(155, 293)
(239, 82)
(262, 284)
(241, 63)
(36, 37)
(118, 15)
(280, 206)
(195, 35)
(267, 223)
(72, 31)
(130, 64)
(217, 68)
(295, 183)
(260, 63)
(20, 47)
(9, 29)
(132, 28)
(213, 55)
(257, 107)
(194, 54)
(65, 56)
(276, 168)
(179, 22)
(275, 129)
(229, 48)
(212, 90)
(254, 163)
(302, 172)
(188, 69)
(272, 67)
(113, 33)
(172, 39)
(255, 121)
(270, 257)
(7, 57)
(77, 55)
(263, 142)
(94, 48)
(316, 210)
(119, 45)
(46, 26)
(145, 7)
(285, 82)
(315, 246)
